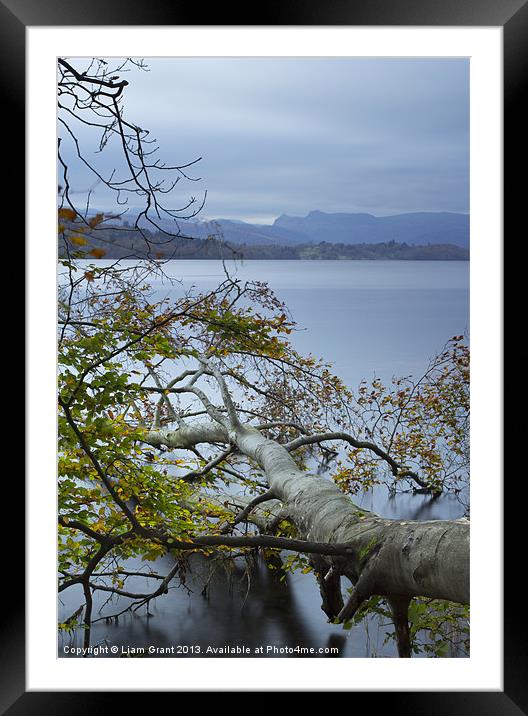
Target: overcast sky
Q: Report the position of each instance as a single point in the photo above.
(293, 135)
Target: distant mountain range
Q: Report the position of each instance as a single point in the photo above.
(415, 229)
(412, 237)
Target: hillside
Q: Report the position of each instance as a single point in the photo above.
(118, 244)
(417, 229)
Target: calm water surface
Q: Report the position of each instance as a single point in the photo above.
(366, 317)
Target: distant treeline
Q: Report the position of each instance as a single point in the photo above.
(117, 243)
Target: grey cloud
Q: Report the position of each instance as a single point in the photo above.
(292, 135)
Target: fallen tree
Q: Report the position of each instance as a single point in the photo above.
(394, 558)
(183, 420)
(265, 416)
(380, 556)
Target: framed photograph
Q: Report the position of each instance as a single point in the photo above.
(232, 201)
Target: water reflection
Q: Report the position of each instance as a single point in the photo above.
(410, 505)
(246, 605)
(402, 313)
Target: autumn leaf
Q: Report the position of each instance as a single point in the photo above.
(68, 214)
(78, 240)
(96, 220)
(98, 253)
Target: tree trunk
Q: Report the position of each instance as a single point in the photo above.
(392, 558)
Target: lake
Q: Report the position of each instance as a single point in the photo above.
(366, 317)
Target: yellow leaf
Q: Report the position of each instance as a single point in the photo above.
(68, 214)
(78, 240)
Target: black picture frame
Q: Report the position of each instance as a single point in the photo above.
(512, 15)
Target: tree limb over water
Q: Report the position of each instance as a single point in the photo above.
(191, 424)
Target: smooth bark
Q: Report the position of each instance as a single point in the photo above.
(393, 558)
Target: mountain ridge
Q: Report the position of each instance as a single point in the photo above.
(415, 228)
(349, 229)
